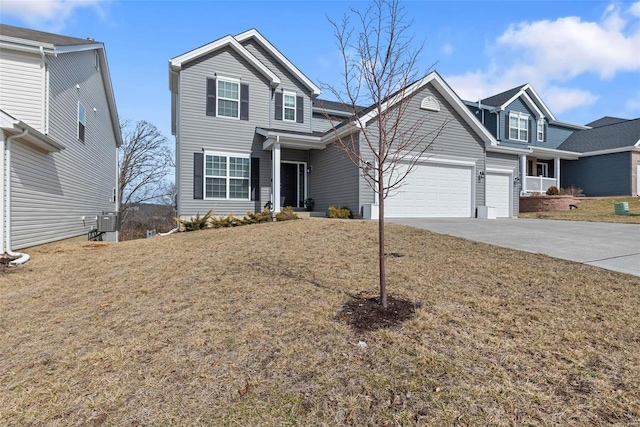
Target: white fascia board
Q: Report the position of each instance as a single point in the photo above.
(565, 155)
(33, 136)
(611, 151)
(332, 112)
(309, 141)
(315, 90)
(509, 150)
(637, 144)
(78, 47)
(532, 105)
(22, 45)
(111, 99)
(570, 125)
(539, 101)
(176, 63)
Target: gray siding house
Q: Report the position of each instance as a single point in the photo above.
(251, 130)
(59, 133)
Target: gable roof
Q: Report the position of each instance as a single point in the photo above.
(40, 36)
(41, 43)
(175, 64)
(254, 34)
(235, 42)
(443, 88)
(606, 120)
(619, 135)
(334, 108)
(501, 98)
(531, 98)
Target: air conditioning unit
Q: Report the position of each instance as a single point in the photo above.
(109, 222)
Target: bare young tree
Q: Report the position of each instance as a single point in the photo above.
(386, 140)
(145, 161)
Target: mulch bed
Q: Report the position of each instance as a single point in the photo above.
(365, 314)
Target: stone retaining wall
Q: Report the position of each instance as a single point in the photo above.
(547, 203)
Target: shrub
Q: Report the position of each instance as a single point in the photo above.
(571, 191)
(225, 221)
(197, 223)
(553, 191)
(339, 212)
(257, 218)
(286, 214)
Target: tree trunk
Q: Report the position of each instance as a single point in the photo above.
(383, 278)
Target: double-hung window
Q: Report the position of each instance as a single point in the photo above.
(228, 98)
(519, 127)
(226, 177)
(82, 121)
(289, 106)
(540, 131)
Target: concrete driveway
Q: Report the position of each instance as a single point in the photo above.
(612, 246)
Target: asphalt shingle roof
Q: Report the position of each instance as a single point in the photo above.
(334, 105)
(501, 98)
(604, 121)
(40, 36)
(616, 135)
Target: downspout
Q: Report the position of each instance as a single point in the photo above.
(22, 258)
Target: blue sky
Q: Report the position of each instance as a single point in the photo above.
(582, 57)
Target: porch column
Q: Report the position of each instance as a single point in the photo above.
(276, 177)
(523, 174)
(556, 168)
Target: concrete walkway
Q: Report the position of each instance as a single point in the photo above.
(612, 246)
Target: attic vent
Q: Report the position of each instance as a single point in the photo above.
(430, 103)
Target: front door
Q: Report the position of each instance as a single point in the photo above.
(292, 184)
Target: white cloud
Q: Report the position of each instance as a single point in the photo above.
(447, 49)
(632, 106)
(548, 53)
(51, 15)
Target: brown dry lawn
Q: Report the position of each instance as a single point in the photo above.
(237, 327)
(595, 210)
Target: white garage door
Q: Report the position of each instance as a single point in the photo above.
(433, 190)
(498, 188)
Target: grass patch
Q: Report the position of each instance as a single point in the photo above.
(240, 326)
(595, 210)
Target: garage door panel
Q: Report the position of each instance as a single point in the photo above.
(433, 190)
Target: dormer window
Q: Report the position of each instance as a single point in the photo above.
(540, 131)
(289, 105)
(519, 126)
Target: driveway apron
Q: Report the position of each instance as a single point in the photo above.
(612, 246)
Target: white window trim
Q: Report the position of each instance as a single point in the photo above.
(540, 130)
(284, 107)
(519, 116)
(218, 97)
(84, 123)
(227, 177)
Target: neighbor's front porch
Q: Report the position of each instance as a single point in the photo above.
(541, 170)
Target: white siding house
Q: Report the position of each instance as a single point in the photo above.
(60, 135)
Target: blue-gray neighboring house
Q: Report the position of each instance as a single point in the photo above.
(609, 164)
(520, 120)
(251, 129)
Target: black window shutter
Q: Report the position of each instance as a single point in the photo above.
(255, 179)
(198, 171)
(211, 97)
(244, 101)
(507, 120)
(278, 106)
(544, 132)
(530, 134)
(299, 109)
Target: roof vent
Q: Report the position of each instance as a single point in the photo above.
(430, 103)
(90, 39)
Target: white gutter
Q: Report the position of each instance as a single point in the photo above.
(22, 258)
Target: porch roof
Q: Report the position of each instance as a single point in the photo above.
(292, 139)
